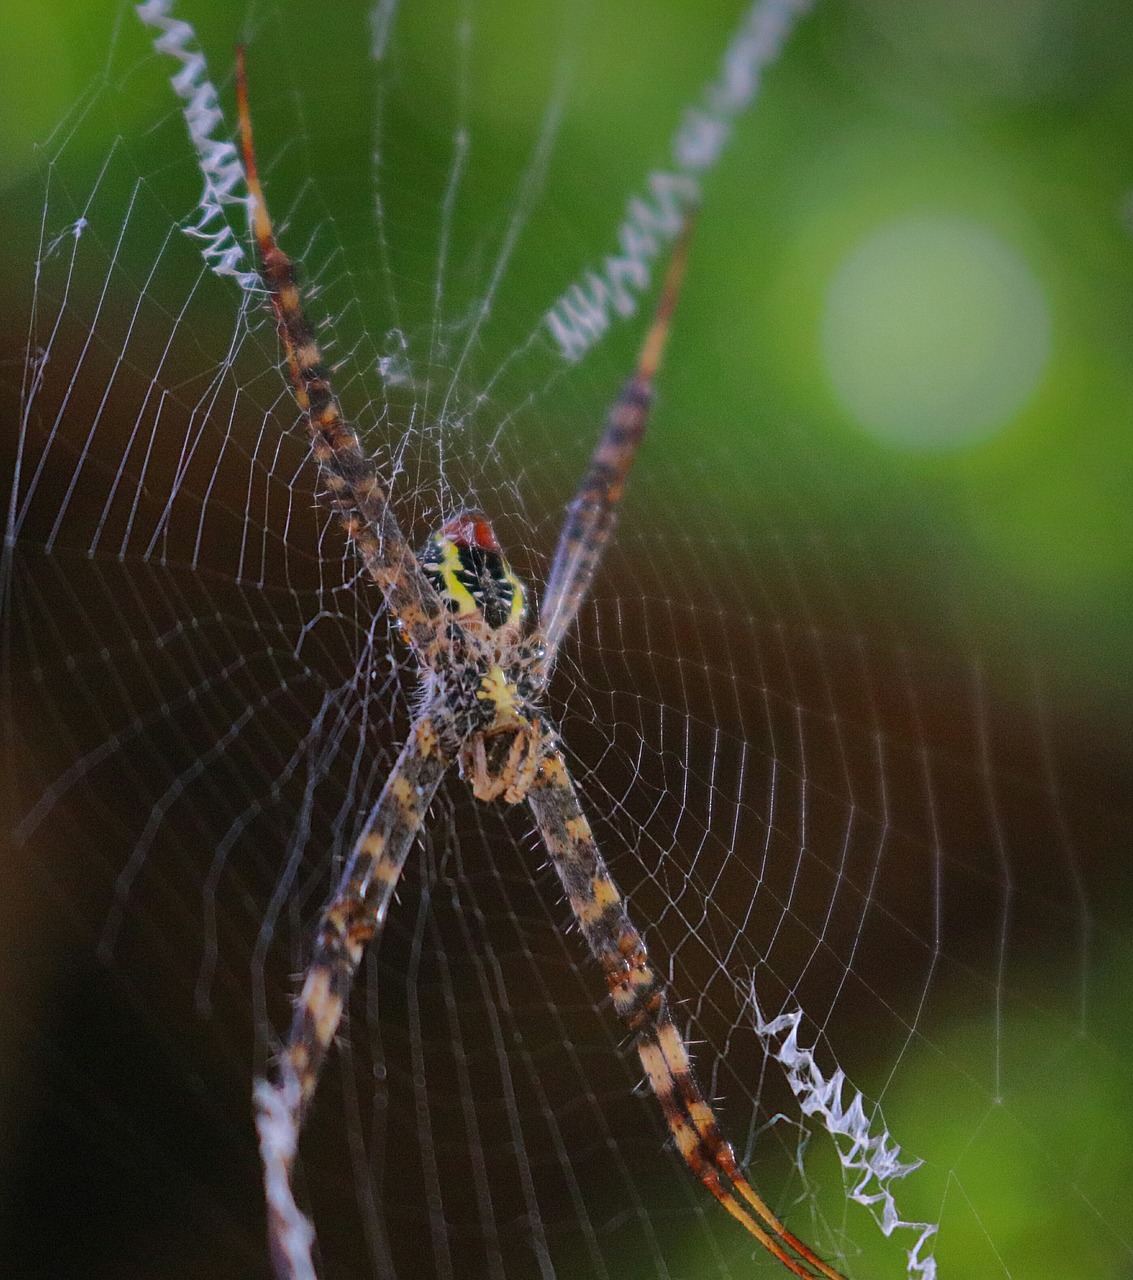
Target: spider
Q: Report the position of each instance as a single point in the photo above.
(483, 674)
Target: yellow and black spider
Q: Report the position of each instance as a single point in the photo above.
(463, 614)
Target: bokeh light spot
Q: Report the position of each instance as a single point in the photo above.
(935, 333)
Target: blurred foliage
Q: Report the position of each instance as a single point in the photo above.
(1015, 119)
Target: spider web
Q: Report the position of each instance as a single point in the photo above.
(866, 796)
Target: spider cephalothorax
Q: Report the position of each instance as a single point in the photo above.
(463, 612)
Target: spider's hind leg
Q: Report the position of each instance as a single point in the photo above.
(355, 913)
(638, 995)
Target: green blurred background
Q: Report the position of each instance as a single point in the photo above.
(919, 245)
(1008, 123)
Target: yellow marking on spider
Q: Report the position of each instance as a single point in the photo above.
(553, 772)
(673, 1047)
(386, 871)
(427, 738)
(518, 596)
(656, 1068)
(605, 891)
(405, 793)
(372, 844)
(579, 829)
(624, 1000)
(604, 895)
(450, 569)
(688, 1140)
(700, 1113)
(323, 1005)
(496, 688)
(626, 993)
(307, 355)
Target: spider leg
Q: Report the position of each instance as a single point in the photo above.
(593, 511)
(355, 913)
(354, 487)
(639, 999)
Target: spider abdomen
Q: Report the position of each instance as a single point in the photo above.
(466, 566)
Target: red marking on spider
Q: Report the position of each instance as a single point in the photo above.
(470, 529)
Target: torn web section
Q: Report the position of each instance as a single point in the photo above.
(794, 784)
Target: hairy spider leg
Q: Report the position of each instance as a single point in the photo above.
(358, 908)
(354, 488)
(640, 1001)
(355, 913)
(593, 511)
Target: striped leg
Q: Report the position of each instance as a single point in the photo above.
(354, 915)
(354, 487)
(593, 511)
(639, 1000)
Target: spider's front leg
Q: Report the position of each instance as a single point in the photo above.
(354, 915)
(593, 511)
(354, 487)
(639, 999)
